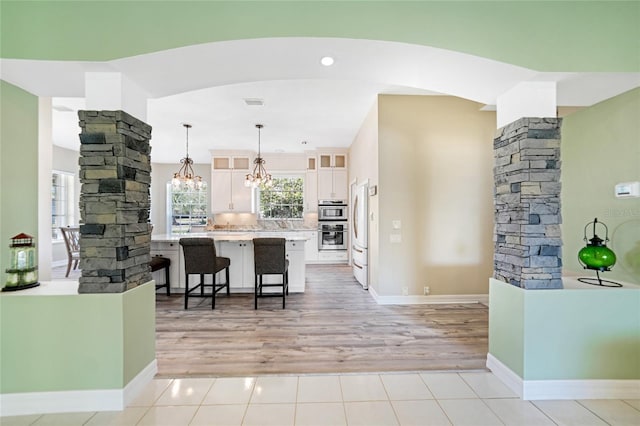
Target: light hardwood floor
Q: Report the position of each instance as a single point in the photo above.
(334, 327)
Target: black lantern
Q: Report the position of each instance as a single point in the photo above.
(597, 256)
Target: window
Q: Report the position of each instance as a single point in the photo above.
(284, 199)
(186, 208)
(62, 211)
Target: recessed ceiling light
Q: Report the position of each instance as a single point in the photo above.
(327, 61)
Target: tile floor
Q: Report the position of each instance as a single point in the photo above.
(466, 398)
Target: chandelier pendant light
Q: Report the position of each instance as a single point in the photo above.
(185, 178)
(259, 177)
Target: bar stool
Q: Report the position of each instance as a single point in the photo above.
(157, 263)
(200, 258)
(270, 258)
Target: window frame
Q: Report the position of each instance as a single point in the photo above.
(64, 199)
(292, 175)
(203, 203)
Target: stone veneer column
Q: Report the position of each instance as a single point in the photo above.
(527, 236)
(115, 172)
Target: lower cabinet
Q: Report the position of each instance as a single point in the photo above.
(297, 270)
(311, 247)
(333, 256)
(176, 269)
(241, 270)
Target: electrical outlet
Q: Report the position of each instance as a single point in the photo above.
(427, 290)
(405, 291)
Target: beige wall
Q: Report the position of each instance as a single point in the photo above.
(363, 165)
(436, 177)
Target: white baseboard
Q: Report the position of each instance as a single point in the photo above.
(138, 383)
(505, 374)
(563, 389)
(425, 300)
(18, 404)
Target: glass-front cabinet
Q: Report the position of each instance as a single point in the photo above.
(228, 191)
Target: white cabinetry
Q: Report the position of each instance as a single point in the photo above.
(332, 176)
(311, 186)
(311, 247)
(241, 271)
(297, 270)
(176, 270)
(228, 192)
(333, 256)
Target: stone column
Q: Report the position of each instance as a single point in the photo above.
(527, 203)
(115, 172)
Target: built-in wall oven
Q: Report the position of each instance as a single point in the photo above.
(334, 210)
(332, 235)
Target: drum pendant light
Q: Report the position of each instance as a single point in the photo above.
(597, 256)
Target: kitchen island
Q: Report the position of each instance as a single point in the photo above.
(237, 246)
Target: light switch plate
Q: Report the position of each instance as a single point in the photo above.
(396, 224)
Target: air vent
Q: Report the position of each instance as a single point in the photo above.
(61, 108)
(254, 101)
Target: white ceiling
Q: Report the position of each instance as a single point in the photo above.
(205, 85)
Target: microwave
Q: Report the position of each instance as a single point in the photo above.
(332, 210)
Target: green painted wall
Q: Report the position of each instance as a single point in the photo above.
(139, 321)
(582, 334)
(601, 147)
(75, 342)
(547, 36)
(506, 325)
(571, 334)
(18, 158)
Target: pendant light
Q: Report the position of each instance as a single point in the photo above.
(185, 178)
(259, 177)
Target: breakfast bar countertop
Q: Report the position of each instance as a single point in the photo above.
(297, 235)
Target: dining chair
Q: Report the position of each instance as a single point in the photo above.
(270, 258)
(200, 258)
(71, 236)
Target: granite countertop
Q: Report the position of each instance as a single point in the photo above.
(290, 235)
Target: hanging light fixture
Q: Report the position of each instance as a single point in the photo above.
(259, 177)
(185, 177)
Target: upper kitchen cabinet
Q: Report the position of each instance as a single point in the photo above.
(332, 176)
(311, 186)
(228, 192)
(332, 161)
